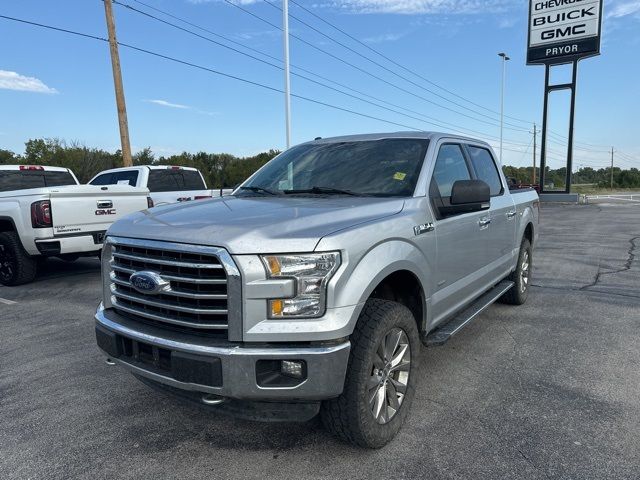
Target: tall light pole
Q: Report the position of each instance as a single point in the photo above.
(287, 76)
(505, 58)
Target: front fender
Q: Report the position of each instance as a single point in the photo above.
(358, 280)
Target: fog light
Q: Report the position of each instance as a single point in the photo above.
(292, 368)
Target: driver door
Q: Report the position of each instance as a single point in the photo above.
(461, 240)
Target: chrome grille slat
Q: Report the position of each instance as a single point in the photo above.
(178, 293)
(196, 298)
(167, 305)
(175, 278)
(159, 261)
(172, 321)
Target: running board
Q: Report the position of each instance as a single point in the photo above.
(442, 334)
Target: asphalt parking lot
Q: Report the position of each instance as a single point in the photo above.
(547, 390)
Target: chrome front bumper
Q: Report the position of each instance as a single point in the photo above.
(326, 364)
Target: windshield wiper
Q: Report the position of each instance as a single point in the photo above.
(259, 190)
(325, 190)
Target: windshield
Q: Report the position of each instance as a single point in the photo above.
(386, 168)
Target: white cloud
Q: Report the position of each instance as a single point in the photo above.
(385, 37)
(15, 81)
(622, 9)
(179, 106)
(164, 103)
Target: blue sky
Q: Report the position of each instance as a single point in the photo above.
(56, 85)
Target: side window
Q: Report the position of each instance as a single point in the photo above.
(128, 176)
(104, 179)
(486, 169)
(163, 181)
(192, 180)
(450, 166)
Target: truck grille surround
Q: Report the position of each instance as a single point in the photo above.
(203, 292)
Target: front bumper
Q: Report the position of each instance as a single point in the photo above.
(231, 365)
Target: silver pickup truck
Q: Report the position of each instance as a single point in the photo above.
(311, 288)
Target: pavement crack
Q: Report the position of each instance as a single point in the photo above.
(626, 267)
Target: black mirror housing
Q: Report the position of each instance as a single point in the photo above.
(468, 196)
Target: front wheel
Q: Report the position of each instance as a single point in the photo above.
(381, 377)
(16, 266)
(521, 276)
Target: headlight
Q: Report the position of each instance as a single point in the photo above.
(312, 272)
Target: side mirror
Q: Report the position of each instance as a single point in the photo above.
(468, 196)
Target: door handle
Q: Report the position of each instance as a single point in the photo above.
(424, 228)
(511, 214)
(484, 222)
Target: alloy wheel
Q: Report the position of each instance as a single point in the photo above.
(389, 379)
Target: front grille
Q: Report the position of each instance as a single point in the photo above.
(197, 300)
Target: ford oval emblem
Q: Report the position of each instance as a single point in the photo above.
(149, 283)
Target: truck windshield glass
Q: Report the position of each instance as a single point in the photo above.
(386, 168)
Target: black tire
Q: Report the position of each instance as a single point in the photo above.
(522, 279)
(350, 416)
(16, 266)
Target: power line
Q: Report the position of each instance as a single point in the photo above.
(377, 52)
(211, 70)
(423, 118)
(366, 72)
(369, 59)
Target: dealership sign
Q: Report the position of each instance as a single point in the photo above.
(562, 31)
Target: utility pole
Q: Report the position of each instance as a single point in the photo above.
(287, 75)
(117, 83)
(611, 168)
(535, 134)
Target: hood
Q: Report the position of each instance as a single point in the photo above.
(246, 225)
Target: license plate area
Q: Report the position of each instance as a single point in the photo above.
(180, 366)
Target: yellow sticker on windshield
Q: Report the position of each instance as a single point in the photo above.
(399, 176)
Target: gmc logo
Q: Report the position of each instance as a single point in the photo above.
(106, 211)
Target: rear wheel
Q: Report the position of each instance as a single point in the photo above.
(521, 276)
(16, 266)
(381, 376)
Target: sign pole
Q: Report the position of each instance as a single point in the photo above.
(287, 76)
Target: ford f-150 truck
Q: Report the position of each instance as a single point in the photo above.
(44, 212)
(167, 184)
(311, 288)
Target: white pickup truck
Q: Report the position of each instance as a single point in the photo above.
(167, 184)
(45, 212)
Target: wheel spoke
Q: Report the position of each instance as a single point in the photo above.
(378, 362)
(379, 402)
(401, 367)
(392, 396)
(399, 386)
(399, 355)
(391, 343)
(373, 382)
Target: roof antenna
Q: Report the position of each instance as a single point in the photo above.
(318, 138)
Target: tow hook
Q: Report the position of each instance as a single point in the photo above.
(211, 399)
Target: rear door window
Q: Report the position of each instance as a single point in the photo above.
(485, 168)
(127, 177)
(165, 181)
(104, 179)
